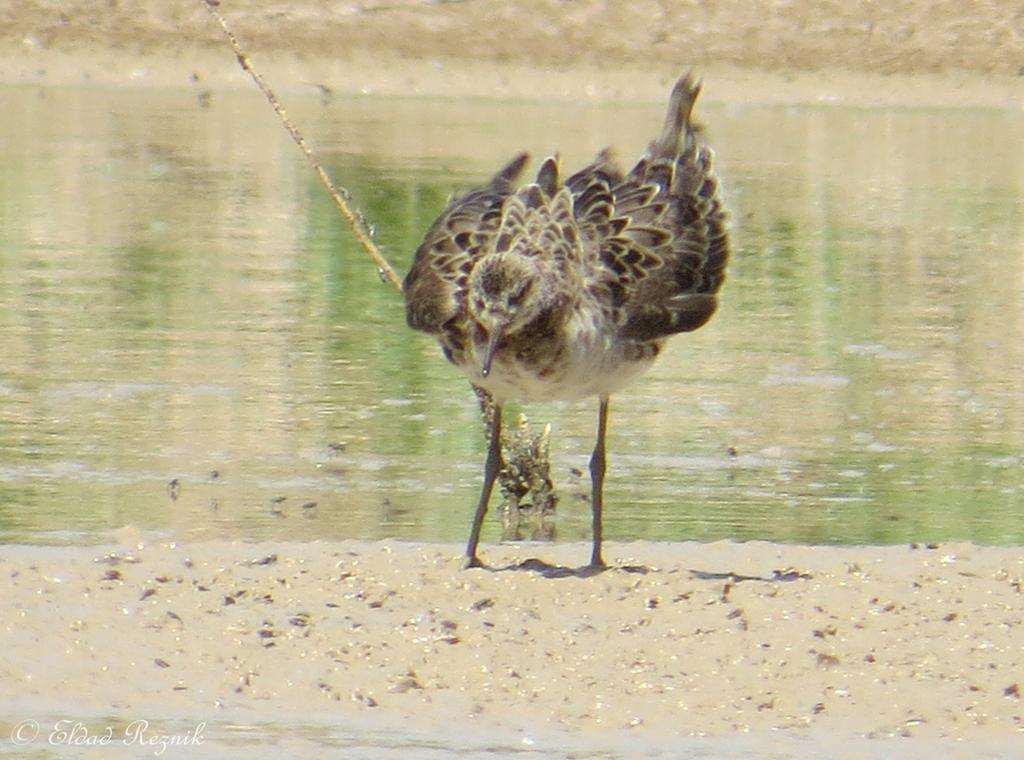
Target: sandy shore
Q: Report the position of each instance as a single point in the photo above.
(675, 640)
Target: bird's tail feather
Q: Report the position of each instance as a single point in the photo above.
(676, 134)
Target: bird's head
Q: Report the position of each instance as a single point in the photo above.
(505, 294)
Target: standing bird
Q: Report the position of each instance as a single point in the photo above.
(569, 289)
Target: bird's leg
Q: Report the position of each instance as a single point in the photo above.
(597, 468)
(491, 470)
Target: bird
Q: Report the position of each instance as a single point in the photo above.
(565, 289)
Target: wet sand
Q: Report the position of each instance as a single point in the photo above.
(674, 640)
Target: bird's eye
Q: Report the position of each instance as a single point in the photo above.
(516, 298)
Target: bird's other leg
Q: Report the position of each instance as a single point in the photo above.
(597, 469)
(491, 469)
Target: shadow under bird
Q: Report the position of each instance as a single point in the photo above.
(565, 289)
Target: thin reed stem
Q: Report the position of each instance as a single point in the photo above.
(340, 196)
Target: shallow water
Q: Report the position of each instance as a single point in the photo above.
(373, 738)
(194, 344)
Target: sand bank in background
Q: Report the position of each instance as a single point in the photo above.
(901, 53)
(897, 37)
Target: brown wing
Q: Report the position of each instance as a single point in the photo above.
(660, 230)
(436, 283)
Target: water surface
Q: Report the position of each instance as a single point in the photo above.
(193, 343)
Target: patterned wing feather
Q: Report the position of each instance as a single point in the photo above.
(539, 220)
(660, 231)
(436, 283)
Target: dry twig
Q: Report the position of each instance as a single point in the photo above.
(339, 195)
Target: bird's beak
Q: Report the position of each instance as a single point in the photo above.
(492, 348)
